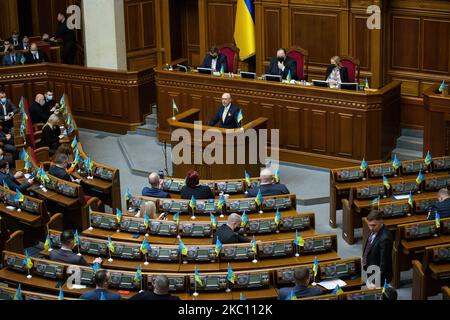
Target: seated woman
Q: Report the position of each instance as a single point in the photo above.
(336, 73)
(51, 133)
(149, 207)
(193, 188)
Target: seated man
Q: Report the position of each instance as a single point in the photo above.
(7, 111)
(38, 112)
(215, 60)
(300, 290)
(13, 57)
(442, 207)
(228, 233)
(155, 190)
(10, 181)
(282, 64)
(8, 145)
(227, 114)
(160, 291)
(35, 55)
(101, 290)
(267, 186)
(59, 168)
(66, 255)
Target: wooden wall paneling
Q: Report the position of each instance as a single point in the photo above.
(405, 45)
(292, 120)
(344, 134)
(220, 23)
(319, 131)
(194, 54)
(9, 21)
(271, 37)
(436, 46)
(360, 41)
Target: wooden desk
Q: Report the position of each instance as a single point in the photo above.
(259, 294)
(206, 296)
(318, 126)
(24, 217)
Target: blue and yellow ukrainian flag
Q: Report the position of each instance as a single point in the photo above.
(27, 165)
(145, 246)
(277, 176)
(298, 240)
(111, 245)
(420, 178)
(62, 103)
(230, 275)
(385, 286)
(76, 238)
(19, 196)
(69, 120)
(428, 159)
(259, 198)
(95, 267)
(18, 294)
(242, 297)
(197, 277)
(244, 30)
(182, 247)
(213, 221)
(396, 163)
(366, 84)
(247, 179)
(47, 243)
(410, 199)
(176, 217)
(174, 106)
(138, 275)
(240, 118)
(118, 216)
(61, 294)
(221, 202)
(289, 76)
(128, 195)
(364, 165)
(27, 261)
(277, 218)
(218, 246)
(386, 183)
(222, 70)
(315, 266)
(337, 290)
(5, 186)
(375, 201)
(254, 246)
(244, 221)
(437, 220)
(442, 86)
(146, 220)
(74, 143)
(21, 105)
(24, 155)
(193, 203)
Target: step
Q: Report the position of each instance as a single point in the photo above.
(410, 143)
(412, 133)
(405, 154)
(152, 119)
(146, 130)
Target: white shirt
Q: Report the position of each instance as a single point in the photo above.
(4, 109)
(335, 78)
(214, 64)
(36, 55)
(225, 112)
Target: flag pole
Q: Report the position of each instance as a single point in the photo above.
(90, 226)
(146, 260)
(195, 294)
(110, 257)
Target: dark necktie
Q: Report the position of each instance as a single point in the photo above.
(13, 59)
(367, 249)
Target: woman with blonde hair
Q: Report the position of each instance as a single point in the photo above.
(149, 207)
(336, 73)
(51, 133)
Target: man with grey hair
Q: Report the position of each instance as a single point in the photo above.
(155, 190)
(228, 233)
(442, 207)
(267, 186)
(38, 112)
(227, 114)
(160, 291)
(301, 290)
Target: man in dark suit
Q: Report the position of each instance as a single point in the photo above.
(66, 255)
(15, 40)
(101, 290)
(68, 36)
(215, 60)
(282, 64)
(378, 248)
(7, 179)
(59, 168)
(38, 113)
(267, 186)
(227, 233)
(35, 55)
(25, 44)
(227, 114)
(155, 190)
(7, 111)
(13, 58)
(301, 290)
(160, 291)
(442, 207)
(50, 102)
(336, 72)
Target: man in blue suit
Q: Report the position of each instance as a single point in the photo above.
(215, 60)
(227, 114)
(101, 291)
(442, 207)
(267, 186)
(13, 58)
(155, 190)
(301, 290)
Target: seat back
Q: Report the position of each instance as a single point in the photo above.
(230, 51)
(300, 56)
(352, 66)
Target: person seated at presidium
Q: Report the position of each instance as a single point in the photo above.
(228, 233)
(51, 133)
(35, 55)
(267, 186)
(193, 188)
(302, 278)
(282, 64)
(215, 60)
(9, 180)
(155, 190)
(227, 114)
(65, 253)
(442, 206)
(101, 291)
(160, 291)
(336, 73)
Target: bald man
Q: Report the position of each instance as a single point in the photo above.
(228, 233)
(38, 112)
(155, 190)
(35, 55)
(268, 187)
(227, 114)
(442, 206)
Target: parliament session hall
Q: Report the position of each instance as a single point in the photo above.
(225, 151)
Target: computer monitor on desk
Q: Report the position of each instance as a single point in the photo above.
(248, 75)
(349, 86)
(320, 83)
(271, 77)
(204, 70)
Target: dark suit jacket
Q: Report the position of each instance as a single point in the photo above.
(97, 293)
(155, 193)
(13, 184)
(221, 61)
(66, 256)
(268, 190)
(50, 137)
(30, 58)
(10, 107)
(38, 113)
(153, 296)
(59, 173)
(231, 119)
(67, 35)
(443, 208)
(19, 42)
(299, 291)
(226, 235)
(199, 192)
(380, 253)
(289, 63)
(342, 71)
(7, 61)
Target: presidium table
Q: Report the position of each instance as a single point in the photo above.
(318, 126)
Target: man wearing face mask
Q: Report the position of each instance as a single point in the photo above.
(25, 44)
(282, 64)
(50, 104)
(7, 139)
(7, 179)
(15, 39)
(215, 60)
(7, 112)
(228, 233)
(13, 58)
(35, 55)
(38, 112)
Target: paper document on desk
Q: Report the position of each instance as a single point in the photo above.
(401, 197)
(78, 286)
(331, 284)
